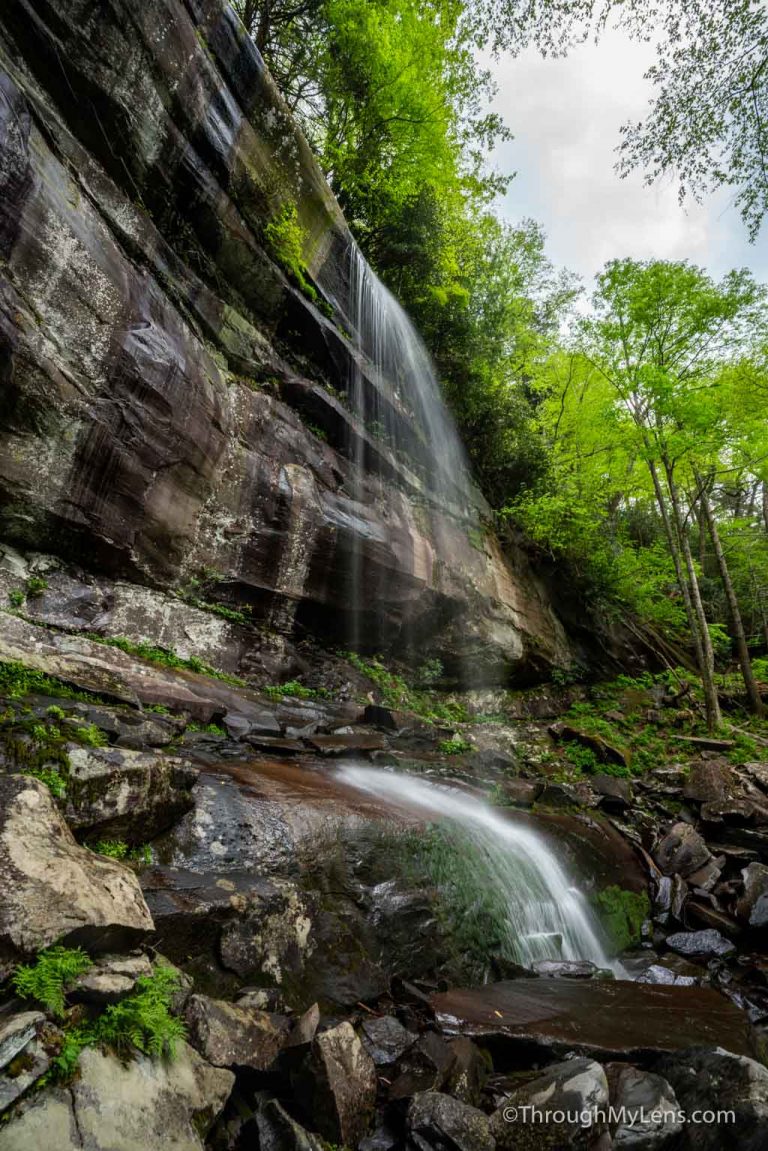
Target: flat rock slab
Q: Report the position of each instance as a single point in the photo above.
(598, 1018)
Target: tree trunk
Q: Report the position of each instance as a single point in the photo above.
(682, 583)
(711, 702)
(753, 695)
(765, 504)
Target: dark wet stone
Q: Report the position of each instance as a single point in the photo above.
(651, 1111)
(439, 1122)
(565, 968)
(596, 1017)
(616, 794)
(752, 907)
(385, 1039)
(720, 1080)
(231, 1035)
(425, 1066)
(337, 1086)
(682, 851)
(709, 780)
(575, 1086)
(277, 1131)
(469, 1071)
(700, 943)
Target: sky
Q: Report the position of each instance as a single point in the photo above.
(566, 115)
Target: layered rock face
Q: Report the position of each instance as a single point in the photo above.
(169, 402)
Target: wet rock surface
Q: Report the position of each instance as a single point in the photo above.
(600, 1017)
(54, 889)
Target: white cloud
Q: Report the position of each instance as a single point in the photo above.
(566, 116)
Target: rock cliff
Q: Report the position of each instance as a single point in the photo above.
(171, 401)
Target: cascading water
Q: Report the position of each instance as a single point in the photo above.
(546, 915)
(395, 395)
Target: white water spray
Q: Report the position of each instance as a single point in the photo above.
(547, 917)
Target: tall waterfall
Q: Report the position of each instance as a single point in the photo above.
(547, 917)
(401, 401)
(395, 395)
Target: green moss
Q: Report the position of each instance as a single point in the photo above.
(36, 585)
(165, 657)
(623, 914)
(16, 679)
(284, 237)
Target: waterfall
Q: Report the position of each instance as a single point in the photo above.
(396, 398)
(397, 394)
(546, 915)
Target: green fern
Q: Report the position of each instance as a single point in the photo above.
(48, 977)
(143, 1020)
(140, 1022)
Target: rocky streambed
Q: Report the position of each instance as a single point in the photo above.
(343, 976)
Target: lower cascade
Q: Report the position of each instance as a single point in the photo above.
(547, 917)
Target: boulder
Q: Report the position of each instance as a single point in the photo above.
(752, 907)
(569, 1095)
(468, 1072)
(657, 973)
(385, 1039)
(615, 793)
(426, 1066)
(116, 1106)
(337, 1086)
(709, 780)
(682, 851)
(703, 944)
(279, 1132)
(230, 1035)
(597, 1017)
(110, 979)
(565, 968)
(438, 1122)
(720, 1081)
(125, 794)
(650, 1112)
(52, 889)
(23, 1058)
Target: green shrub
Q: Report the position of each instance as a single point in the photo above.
(56, 713)
(582, 757)
(36, 585)
(456, 745)
(207, 728)
(623, 914)
(48, 977)
(291, 688)
(112, 848)
(16, 597)
(91, 736)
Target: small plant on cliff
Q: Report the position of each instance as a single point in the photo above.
(91, 736)
(285, 239)
(16, 597)
(456, 745)
(36, 585)
(291, 688)
(48, 977)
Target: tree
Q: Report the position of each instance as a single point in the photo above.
(708, 122)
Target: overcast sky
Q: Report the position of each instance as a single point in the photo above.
(566, 115)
